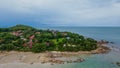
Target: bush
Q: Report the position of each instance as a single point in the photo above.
(38, 47)
(7, 47)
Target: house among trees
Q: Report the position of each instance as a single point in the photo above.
(24, 39)
(17, 33)
(47, 40)
(31, 37)
(64, 34)
(37, 33)
(30, 40)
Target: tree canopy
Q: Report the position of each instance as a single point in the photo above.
(26, 38)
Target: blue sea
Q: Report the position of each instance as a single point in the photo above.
(99, 60)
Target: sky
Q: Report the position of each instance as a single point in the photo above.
(60, 12)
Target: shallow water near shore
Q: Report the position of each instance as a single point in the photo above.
(91, 61)
(108, 60)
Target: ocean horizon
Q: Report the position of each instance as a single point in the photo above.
(107, 60)
(98, 21)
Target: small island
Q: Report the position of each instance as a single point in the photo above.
(26, 38)
(48, 45)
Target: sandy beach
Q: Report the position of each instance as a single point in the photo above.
(15, 59)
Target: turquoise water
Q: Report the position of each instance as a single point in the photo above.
(101, 60)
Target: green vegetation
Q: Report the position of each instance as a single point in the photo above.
(26, 38)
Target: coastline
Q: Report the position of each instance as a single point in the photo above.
(52, 57)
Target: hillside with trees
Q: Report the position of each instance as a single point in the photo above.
(26, 38)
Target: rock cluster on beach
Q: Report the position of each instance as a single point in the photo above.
(57, 58)
(52, 57)
(31, 58)
(118, 63)
(56, 61)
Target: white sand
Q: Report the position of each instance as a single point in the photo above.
(25, 65)
(14, 59)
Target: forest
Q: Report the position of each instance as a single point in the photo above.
(29, 39)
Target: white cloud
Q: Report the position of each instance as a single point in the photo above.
(64, 11)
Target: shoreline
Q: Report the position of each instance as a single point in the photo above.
(52, 57)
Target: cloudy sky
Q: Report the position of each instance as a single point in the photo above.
(60, 12)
